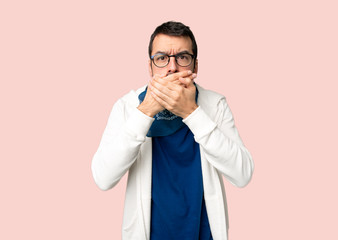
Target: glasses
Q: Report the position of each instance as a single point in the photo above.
(182, 59)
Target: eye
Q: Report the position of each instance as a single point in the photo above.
(161, 58)
(182, 57)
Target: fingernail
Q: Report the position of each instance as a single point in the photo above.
(194, 75)
(189, 72)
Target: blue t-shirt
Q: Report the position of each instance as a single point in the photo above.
(177, 208)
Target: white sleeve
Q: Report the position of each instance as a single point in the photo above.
(119, 145)
(221, 144)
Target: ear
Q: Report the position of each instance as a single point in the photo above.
(196, 66)
(150, 68)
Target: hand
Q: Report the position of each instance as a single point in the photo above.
(150, 106)
(175, 92)
(175, 77)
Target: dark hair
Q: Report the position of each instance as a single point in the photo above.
(172, 28)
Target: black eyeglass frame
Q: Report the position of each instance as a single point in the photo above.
(174, 55)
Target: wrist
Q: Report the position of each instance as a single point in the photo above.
(147, 111)
(192, 109)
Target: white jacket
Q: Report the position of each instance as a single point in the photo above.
(124, 146)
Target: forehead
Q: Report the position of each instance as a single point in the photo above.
(171, 44)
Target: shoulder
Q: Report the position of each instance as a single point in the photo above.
(131, 98)
(213, 103)
(125, 105)
(208, 98)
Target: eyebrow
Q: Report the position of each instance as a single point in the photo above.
(182, 52)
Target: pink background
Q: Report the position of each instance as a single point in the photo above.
(63, 64)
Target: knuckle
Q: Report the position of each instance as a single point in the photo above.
(176, 96)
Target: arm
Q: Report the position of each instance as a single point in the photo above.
(221, 143)
(219, 140)
(125, 132)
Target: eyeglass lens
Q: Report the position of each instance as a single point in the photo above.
(183, 60)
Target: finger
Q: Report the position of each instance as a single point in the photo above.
(185, 81)
(160, 86)
(157, 76)
(177, 75)
(188, 80)
(160, 95)
(172, 84)
(161, 83)
(159, 100)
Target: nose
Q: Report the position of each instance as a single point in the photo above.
(172, 65)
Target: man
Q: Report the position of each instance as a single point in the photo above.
(176, 139)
